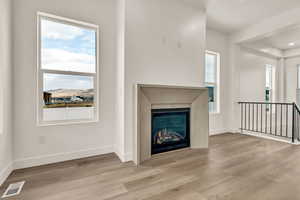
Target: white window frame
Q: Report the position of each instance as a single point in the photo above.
(215, 84)
(40, 71)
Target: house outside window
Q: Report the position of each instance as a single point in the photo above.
(67, 71)
(212, 68)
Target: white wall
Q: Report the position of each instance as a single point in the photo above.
(141, 41)
(252, 75)
(291, 77)
(5, 87)
(165, 43)
(218, 42)
(120, 81)
(38, 145)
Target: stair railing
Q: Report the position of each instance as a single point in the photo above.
(273, 119)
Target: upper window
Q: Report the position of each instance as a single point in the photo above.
(270, 87)
(298, 76)
(1, 103)
(212, 65)
(68, 70)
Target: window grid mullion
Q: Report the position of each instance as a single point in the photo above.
(68, 72)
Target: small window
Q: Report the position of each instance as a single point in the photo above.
(270, 83)
(212, 63)
(298, 76)
(67, 71)
(1, 103)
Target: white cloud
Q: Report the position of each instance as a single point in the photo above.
(58, 59)
(54, 30)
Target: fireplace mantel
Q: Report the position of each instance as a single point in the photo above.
(150, 97)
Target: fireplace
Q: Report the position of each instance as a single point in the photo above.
(170, 129)
(169, 118)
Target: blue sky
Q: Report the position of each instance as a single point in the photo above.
(69, 48)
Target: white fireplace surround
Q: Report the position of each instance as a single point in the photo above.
(165, 96)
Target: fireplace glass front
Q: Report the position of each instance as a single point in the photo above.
(170, 129)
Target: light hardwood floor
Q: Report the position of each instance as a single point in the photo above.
(236, 167)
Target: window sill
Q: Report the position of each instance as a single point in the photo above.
(65, 123)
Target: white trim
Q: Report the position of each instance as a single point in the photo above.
(6, 172)
(124, 157)
(234, 131)
(39, 73)
(64, 122)
(60, 157)
(71, 21)
(218, 132)
(128, 157)
(55, 158)
(119, 153)
(278, 139)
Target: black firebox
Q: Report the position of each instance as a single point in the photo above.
(170, 129)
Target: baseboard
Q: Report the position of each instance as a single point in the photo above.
(54, 158)
(5, 173)
(119, 154)
(123, 157)
(278, 139)
(218, 132)
(128, 157)
(234, 131)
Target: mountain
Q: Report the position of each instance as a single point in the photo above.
(71, 92)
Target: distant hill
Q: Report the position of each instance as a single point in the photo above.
(71, 92)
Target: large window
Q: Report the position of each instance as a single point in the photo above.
(212, 63)
(270, 83)
(67, 70)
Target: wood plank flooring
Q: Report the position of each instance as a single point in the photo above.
(235, 167)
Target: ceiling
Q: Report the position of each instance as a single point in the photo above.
(233, 15)
(279, 40)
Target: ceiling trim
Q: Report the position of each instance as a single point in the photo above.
(268, 26)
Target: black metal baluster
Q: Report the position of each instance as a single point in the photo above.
(280, 119)
(250, 121)
(276, 119)
(252, 117)
(297, 123)
(286, 120)
(257, 117)
(271, 118)
(266, 119)
(297, 114)
(249, 111)
(241, 117)
(261, 118)
(293, 124)
(245, 127)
